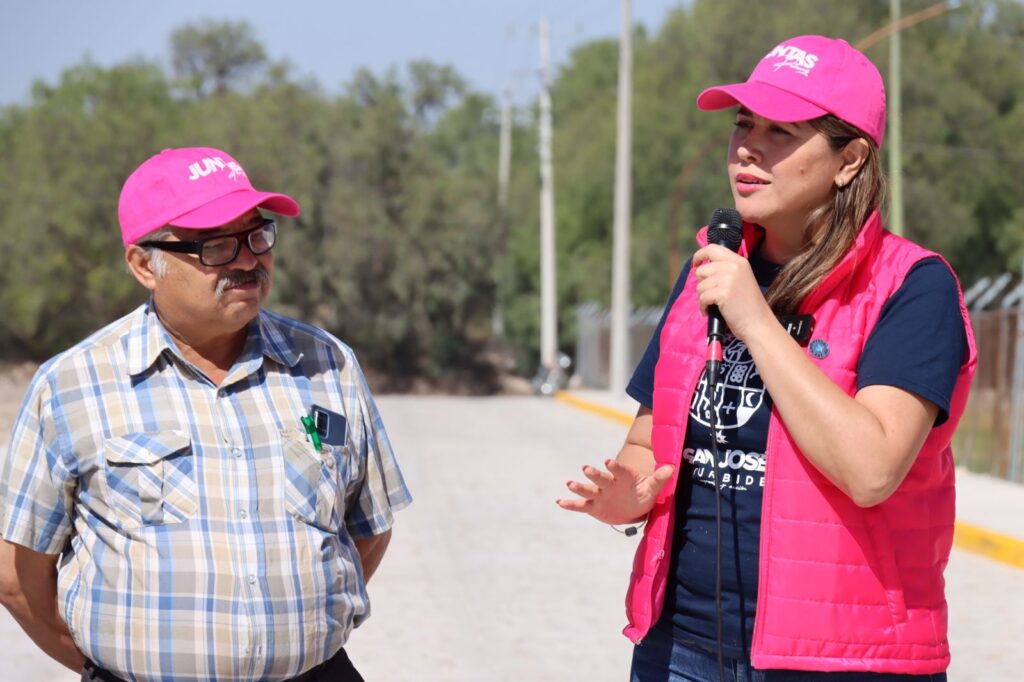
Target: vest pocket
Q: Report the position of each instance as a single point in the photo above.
(149, 479)
(884, 564)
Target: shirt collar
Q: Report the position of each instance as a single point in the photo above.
(148, 339)
(275, 344)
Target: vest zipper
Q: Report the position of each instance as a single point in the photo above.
(766, 503)
(677, 462)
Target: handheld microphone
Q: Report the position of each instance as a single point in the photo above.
(725, 229)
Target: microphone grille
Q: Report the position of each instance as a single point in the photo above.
(726, 228)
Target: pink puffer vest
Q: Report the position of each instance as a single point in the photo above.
(841, 587)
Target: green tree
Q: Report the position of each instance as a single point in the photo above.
(401, 249)
(214, 56)
(66, 156)
(962, 102)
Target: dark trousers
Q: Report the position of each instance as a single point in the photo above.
(661, 658)
(335, 669)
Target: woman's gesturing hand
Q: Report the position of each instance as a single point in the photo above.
(622, 494)
(726, 280)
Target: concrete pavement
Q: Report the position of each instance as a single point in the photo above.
(487, 580)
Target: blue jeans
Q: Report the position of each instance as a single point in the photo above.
(659, 658)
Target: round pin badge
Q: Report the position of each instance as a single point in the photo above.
(819, 348)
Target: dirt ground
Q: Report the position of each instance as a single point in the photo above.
(14, 380)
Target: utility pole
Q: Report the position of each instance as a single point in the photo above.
(505, 151)
(896, 24)
(548, 316)
(621, 306)
(895, 117)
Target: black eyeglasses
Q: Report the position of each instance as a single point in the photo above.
(223, 248)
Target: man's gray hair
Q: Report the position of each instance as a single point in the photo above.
(157, 262)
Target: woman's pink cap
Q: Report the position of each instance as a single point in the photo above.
(807, 77)
(194, 187)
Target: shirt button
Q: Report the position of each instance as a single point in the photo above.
(329, 462)
(252, 580)
(237, 452)
(244, 514)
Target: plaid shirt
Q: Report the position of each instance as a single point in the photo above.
(203, 535)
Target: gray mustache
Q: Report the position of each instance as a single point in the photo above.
(234, 278)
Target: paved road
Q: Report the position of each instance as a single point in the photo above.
(487, 580)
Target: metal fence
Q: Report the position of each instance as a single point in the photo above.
(593, 341)
(990, 438)
(990, 433)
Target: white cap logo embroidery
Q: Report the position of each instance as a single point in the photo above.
(204, 167)
(794, 58)
(236, 170)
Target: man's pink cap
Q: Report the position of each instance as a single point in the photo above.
(194, 187)
(807, 77)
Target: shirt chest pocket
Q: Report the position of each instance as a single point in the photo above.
(150, 479)
(315, 481)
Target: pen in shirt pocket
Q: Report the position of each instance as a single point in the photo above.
(311, 431)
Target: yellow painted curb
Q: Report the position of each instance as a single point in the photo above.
(609, 412)
(1002, 548)
(996, 546)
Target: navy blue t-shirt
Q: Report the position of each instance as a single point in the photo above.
(926, 306)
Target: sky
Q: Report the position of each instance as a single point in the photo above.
(492, 43)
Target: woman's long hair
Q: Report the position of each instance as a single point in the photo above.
(831, 228)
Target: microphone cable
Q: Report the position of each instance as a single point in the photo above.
(712, 368)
